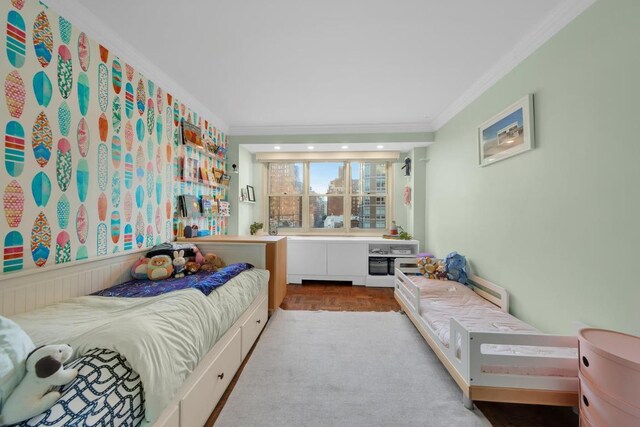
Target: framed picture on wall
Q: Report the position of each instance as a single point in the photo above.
(243, 195)
(251, 195)
(508, 133)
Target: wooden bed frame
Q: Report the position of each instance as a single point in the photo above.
(193, 403)
(466, 369)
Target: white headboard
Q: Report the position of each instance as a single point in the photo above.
(27, 290)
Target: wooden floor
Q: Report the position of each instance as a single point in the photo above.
(331, 297)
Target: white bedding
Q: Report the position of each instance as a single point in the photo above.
(440, 300)
(163, 338)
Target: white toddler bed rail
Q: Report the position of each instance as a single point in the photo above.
(464, 357)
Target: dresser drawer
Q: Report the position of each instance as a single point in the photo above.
(603, 410)
(584, 422)
(197, 404)
(253, 325)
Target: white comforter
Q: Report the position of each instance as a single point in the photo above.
(163, 337)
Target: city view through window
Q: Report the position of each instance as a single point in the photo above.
(335, 195)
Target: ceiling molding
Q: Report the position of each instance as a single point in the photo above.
(248, 130)
(83, 19)
(555, 21)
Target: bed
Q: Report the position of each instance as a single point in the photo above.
(492, 355)
(167, 358)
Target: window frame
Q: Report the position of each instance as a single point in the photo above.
(348, 194)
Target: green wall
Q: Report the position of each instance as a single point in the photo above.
(557, 226)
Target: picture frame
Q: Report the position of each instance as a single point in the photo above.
(508, 133)
(191, 134)
(251, 195)
(243, 194)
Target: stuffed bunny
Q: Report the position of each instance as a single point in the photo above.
(178, 263)
(44, 370)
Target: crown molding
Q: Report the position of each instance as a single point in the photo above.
(82, 18)
(326, 129)
(555, 21)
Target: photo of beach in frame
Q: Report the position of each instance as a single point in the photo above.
(508, 133)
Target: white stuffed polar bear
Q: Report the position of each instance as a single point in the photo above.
(32, 396)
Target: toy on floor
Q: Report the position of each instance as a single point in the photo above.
(192, 267)
(179, 263)
(212, 262)
(160, 267)
(44, 369)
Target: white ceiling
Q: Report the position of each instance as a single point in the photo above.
(260, 65)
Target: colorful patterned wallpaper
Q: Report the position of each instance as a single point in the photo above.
(91, 147)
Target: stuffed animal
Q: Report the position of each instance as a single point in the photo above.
(456, 267)
(139, 269)
(160, 267)
(178, 263)
(212, 262)
(192, 267)
(44, 370)
(432, 268)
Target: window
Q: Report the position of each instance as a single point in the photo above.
(316, 196)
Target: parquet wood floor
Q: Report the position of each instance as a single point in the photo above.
(332, 297)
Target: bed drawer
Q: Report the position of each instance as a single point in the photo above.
(197, 404)
(603, 410)
(253, 325)
(171, 420)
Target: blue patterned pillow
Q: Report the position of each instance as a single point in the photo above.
(105, 392)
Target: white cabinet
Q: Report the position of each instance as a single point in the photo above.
(306, 258)
(345, 259)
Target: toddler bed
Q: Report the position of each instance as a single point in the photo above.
(491, 355)
(149, 352)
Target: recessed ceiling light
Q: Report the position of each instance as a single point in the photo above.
(310, 147)
(380, 146)
(344, 147)
(277, 147)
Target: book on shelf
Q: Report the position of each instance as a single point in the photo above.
(188, 206)
(225, 179)
(224, 208)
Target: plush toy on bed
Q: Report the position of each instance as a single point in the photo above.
(432, 268)
(192, 267)
(160, 267)
(44, 370)
(212, 262)
(179, 263)
(139, 269)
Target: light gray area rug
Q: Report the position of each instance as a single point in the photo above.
(316, 368)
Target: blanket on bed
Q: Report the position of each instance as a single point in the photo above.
(203, 281)
(163, 338)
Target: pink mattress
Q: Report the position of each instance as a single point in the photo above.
(440, 300)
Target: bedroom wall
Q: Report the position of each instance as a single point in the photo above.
(557, 226)
(86, 170)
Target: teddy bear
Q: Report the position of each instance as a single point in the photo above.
(212, 262)
(44, 369)
(159, 267)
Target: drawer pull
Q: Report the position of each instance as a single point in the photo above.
(585, 361)
(258, 321)
(221, 376)
(585, 400)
